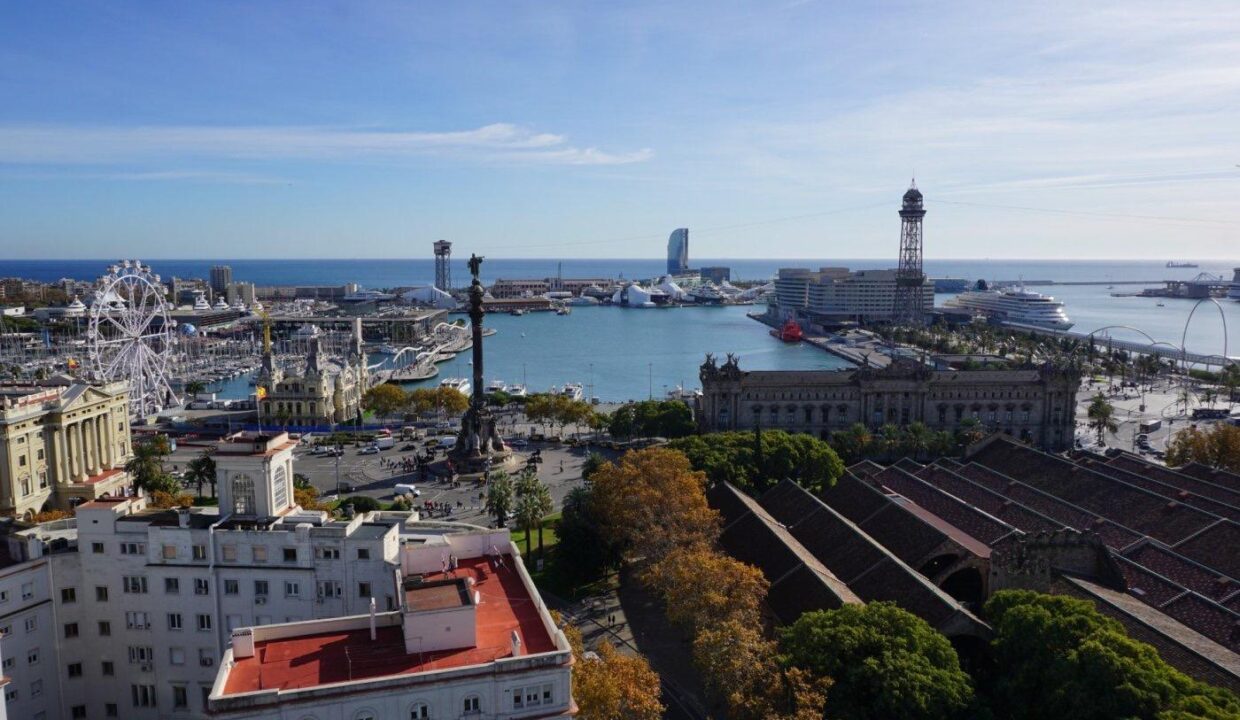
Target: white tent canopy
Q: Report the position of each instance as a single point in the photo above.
(430, 296)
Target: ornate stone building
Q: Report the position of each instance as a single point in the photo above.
(1037, 405)
(324, 391)
(59, 440)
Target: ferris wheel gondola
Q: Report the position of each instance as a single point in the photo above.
(130, 336)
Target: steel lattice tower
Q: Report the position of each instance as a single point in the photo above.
(910, 278)
(443, 265)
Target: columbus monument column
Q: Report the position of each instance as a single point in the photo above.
(478, 445)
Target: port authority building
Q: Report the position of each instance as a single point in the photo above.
(1037, 405)
(259, 608)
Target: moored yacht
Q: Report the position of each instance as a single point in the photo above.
(1013, 305)
(516, 390)
(572, 391)
(461, 384)
(495, 386)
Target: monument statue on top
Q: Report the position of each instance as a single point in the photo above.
(478, 445)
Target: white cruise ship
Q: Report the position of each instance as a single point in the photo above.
(1013, 305)
(1233, 292)
(461, 384)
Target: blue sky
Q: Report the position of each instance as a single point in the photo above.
(523, 129)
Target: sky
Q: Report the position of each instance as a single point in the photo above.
(551, 129)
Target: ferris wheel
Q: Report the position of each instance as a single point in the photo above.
(130, 338)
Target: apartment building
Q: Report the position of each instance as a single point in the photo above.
(836, 294)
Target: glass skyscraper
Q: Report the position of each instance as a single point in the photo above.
(678, 251)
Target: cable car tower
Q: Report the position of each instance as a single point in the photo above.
(910, 307)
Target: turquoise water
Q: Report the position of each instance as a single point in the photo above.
(626, 353)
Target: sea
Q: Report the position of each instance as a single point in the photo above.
(621, 354)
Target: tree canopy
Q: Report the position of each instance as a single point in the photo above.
(1217, 446)
(652, 418)
(884, 662)
(500, 498)
(146, 467)
(385, 399)
(736, 457)
(651, 502)
(1102, 417)
(613, 686)
(1060, 659)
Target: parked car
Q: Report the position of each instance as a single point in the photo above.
(369, 450)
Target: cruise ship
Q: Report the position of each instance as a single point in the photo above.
(461, 384)
(1233, 292)
(1013, 305)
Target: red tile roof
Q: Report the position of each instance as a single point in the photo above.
(310, 660)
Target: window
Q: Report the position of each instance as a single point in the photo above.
(4, 596)
(419, 711)
(170, 552)
(531, 696)
(140, 654)
(327, 553)
(174, 621)
(68, 595)
(74, 670)
(180, 698)
(32, 657)
(101, 593)
(260, 587)
(200, 553)
(259, 553)
(10, 694)
(8, 663)
(330, 589)
(290, 554)
(36, 688)
(110, 710)
(201, 586)
(229, 553)
(363, 553)
(291, 589)
(134, 584)
(204, 622)
(32, 624)
(473, 704)
(172, 586)
(77, 711)
(105, 628)
(71, 630)
(205, 658)
(107, 668)
(133, 548)
(136, 620)
(176, 656)
(363, 589)
(143, 695)
(243, 495)
(27, 591)
(232, 587)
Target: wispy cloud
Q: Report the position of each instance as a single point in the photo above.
(84, 145)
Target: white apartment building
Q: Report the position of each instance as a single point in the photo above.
(127, 611)
(836, 294)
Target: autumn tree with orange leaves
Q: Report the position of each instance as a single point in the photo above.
(610, 685)
(700, 587)
(652, 502)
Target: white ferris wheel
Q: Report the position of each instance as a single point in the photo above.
(131, 335)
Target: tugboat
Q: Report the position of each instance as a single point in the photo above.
(790, 332)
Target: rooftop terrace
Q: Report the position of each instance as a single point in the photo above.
(346, 653)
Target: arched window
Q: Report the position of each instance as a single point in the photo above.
(365, 714)
(243, 495)
(280, 487)
(419, 711)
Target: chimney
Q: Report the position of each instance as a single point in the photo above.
(183, 517)
(373, 631)
(516, 644)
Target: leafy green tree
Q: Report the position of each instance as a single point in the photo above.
(385, 399)
(201, 471)
(593, 462)
(362, 503)
(853, 444)
(582, 550)
(653, 418)
(1217, 446)
(194, 387)
(885, 663)
(1057, 658)
(146, 467)
(759, 460)
(1102, 417)
(500, 497)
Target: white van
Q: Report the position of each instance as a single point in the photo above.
(406, 489)
(446, 441)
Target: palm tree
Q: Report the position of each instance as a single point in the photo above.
(917, 439)
(201, 470)
(533, 504)
(499, 497)
(1102, 417)
(146, 467)
(193, 387)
